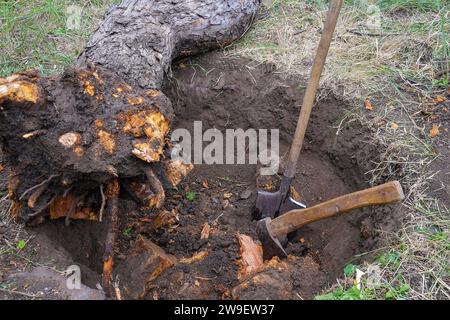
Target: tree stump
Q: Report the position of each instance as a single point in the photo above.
(74, 139)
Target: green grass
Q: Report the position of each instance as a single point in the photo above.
(191, 195)
(35, 34)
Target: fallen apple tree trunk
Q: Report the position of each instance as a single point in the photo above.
(73, 140)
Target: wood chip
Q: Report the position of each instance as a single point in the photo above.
(251, 259)
(199, 256)
(205, 231)
(434, 131)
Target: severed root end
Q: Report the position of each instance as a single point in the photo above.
(19, 88)
(176, 170)
(20, 91)
(156, 200)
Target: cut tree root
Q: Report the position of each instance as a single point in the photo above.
(156, 200)
(112, 192)
(106, 119)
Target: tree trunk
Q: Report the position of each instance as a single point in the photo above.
(67, 136)
(140, 38)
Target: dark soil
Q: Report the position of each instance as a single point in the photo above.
(226, 92)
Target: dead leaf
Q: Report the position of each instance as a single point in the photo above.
(199, 256)
(439, 99)
(205, 184)
(394, 126)
(251, 259)
(434, 131)
(227, 195)
(368, 105)
(205, 231)
(162, 219)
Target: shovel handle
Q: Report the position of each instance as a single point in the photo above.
(313, 84)
(294, 219)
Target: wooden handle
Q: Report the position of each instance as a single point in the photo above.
(294, 219)
(313, 84)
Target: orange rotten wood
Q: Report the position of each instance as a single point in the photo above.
(293, 220)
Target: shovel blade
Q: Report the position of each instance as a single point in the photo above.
(271, 205)
(267, 205)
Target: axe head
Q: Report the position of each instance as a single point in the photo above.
(273, 204)
(271, 245)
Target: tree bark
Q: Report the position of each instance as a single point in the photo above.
(68, 136)
(140, 38)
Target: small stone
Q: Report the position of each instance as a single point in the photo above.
(224, 220)
(224, 243)
(246, 194)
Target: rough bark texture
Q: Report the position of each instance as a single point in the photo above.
(139, 38)
(67, 136)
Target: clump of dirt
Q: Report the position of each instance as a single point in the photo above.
(230, 93)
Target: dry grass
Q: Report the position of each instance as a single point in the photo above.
(399, 68)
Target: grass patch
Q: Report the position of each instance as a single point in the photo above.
(45, 34)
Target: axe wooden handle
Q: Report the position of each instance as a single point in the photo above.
(294, 219)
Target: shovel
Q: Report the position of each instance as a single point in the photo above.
(272, 204)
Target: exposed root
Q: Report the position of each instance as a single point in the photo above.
(102, 207)
(157, 199)
(72, 208)
(45, 182)
(112, 192)
(35, 196)
(45, 207)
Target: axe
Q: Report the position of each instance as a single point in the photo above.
(271, 231)
(272, 204)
